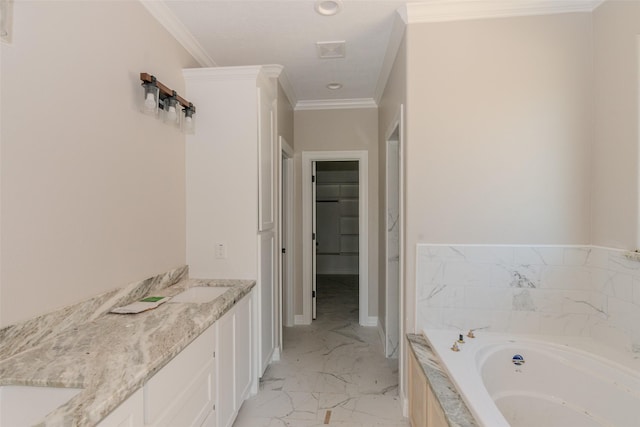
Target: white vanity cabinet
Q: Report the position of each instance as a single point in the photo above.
(233, 359)
(204, 385)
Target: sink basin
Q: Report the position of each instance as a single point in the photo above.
(25, 406)
(200, 294)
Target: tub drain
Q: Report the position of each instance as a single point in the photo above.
(517, 360)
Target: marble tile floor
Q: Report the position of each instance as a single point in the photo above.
(332, 372)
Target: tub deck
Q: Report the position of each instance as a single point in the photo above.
(455, 409)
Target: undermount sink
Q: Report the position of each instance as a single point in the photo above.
(200, 294)
(25, 406)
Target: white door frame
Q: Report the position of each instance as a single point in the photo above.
(285, 184)
(363, 225)
(395, 124)
(398, 121)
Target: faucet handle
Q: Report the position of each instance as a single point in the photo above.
(455, 347)
(471, 334)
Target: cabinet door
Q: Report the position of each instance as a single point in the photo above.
(243, 349)
(266, 159)
(181, 393)
(266, 303)
(128, 414)
(225, 372)
(417, 394)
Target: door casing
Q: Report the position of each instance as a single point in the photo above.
(308, 157)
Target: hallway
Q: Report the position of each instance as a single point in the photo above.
(332, 372)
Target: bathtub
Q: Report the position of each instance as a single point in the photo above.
(560, 381)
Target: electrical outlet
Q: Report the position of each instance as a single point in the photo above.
(221, 250)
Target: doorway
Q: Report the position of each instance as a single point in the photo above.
(336, 218)
(309, 263)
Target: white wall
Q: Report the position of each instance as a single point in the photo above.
(339, 130)
(92, 190)
(615, 152)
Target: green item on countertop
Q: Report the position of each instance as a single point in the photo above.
(152, 299)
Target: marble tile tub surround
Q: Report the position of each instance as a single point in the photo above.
(559, 290)
(454, 408)
(21, 336)
(111, 356)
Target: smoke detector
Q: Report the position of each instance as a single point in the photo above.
(328, 7)
(329, 50)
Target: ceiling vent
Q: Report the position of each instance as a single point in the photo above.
(330, 50)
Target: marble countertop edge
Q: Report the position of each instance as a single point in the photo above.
(452, 404)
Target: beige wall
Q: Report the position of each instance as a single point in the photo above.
(393, 97)
(338, 130)
(615, 150)
(499, 129)
(93, 192)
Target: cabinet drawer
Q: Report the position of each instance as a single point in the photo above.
(194, 405)
(177, 377)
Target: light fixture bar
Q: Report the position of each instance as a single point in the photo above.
(165, 92)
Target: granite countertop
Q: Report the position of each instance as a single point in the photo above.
(113, 355)
(454, 408)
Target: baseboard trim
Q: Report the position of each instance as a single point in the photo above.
(298, 319)
(371, 321)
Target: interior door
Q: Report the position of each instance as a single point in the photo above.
(314, 242)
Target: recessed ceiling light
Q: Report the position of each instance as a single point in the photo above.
(328, 7)
(334, 86)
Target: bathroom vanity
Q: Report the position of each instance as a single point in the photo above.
(188, 363)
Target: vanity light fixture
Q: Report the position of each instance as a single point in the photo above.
(175, 109)
(189, 122)
(172, 109)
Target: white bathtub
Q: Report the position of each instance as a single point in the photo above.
(561, 384)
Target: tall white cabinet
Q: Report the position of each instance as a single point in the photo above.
(231, 189)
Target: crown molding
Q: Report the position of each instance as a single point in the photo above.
(335, 104)
(277, 71)
(164, 15)
(273, 70)
(460, 10)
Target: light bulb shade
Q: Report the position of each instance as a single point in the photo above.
(151, 94)
(189, 120)
(172, 111)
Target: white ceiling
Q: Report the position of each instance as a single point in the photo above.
(285, 32)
